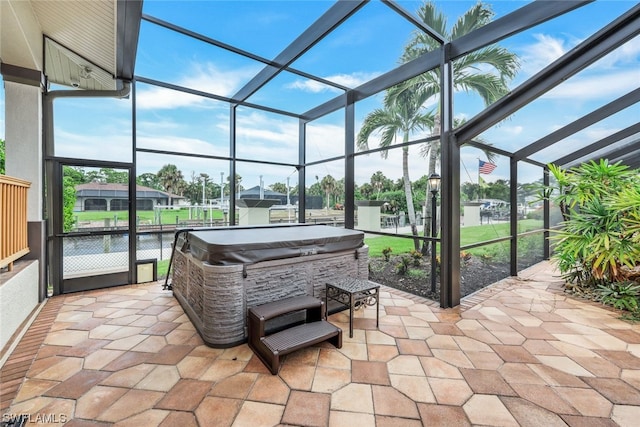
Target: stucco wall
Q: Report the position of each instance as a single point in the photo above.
(18, 297)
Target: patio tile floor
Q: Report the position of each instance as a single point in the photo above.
(517, 353)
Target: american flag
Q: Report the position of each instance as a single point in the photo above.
(485, 167)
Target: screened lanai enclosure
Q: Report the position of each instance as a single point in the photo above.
(339, 112)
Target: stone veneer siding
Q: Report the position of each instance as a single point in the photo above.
(216, 297)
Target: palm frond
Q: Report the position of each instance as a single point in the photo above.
(488, 86)
(375, 120)
(503, 62)
(434, 18)
(477, 16)
(419, 44)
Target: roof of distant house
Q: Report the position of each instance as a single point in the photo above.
(255, 191)
(102, 189)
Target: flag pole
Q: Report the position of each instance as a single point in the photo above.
(479, 185)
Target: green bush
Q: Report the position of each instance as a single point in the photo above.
(623, 296)
(386, 252)
(403, 266)
(417, 273)
(416, 256)
(600, 205)
(537, 214)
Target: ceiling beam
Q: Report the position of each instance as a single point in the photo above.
(618, 32)
(626, 153)
(26, 76)
(521, 19)
(418, 23)
(129, 13)
(512, 23)
(426, 62)
(233, 49)
(631, 158)
(333, 17)
(580, 124)
(177, 88)
(598, 145)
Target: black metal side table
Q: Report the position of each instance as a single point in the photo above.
(355, 294)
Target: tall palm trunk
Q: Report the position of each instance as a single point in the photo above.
(408, 193)
(433, 158)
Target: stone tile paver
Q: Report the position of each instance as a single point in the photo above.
(389, 401)
(309, 409)
(186, 395)
(528, 414)
(516, 353)
(235, 387)
(488, 410)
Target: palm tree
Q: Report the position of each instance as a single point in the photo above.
(378, 181)
(279, 187)
(237, 185)
(402, 114)
(171, 179)
(328, 184)
(338, 191)
(148, 180)
(499, 66)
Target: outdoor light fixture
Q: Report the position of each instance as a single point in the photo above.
(434, 183)
(434, 187)
(85, 72)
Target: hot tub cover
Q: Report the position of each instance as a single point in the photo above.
(227, 246)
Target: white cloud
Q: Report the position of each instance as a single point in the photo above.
(544, 51)
(348, 80)
(203, 77)
(175, 143)
(354, 79)
(161, 98)
(324, 141)
(596, 86)
(627, 54)
(81, 146)
(617, 72)
(156, 125)
(512, 130)
(261, 127)
(266, 137)
(311, 86)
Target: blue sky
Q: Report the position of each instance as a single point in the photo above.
(368, 45)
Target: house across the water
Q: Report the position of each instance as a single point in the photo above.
(98, 196)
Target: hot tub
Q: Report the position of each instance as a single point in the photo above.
(218, 274)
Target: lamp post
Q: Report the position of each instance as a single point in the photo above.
(221, 189)
(288, 190)
(434, 187)
(204, 183)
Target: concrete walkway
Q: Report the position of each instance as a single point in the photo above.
(518, 353)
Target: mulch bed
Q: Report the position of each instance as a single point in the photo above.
(475, 275)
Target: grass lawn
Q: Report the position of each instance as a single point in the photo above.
(168, 215)
(163, 266)
(468, 235)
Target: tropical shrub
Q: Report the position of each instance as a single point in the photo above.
(416, 256)
(403, 266)
(600, 236)
(623, 295)
(386, 252)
